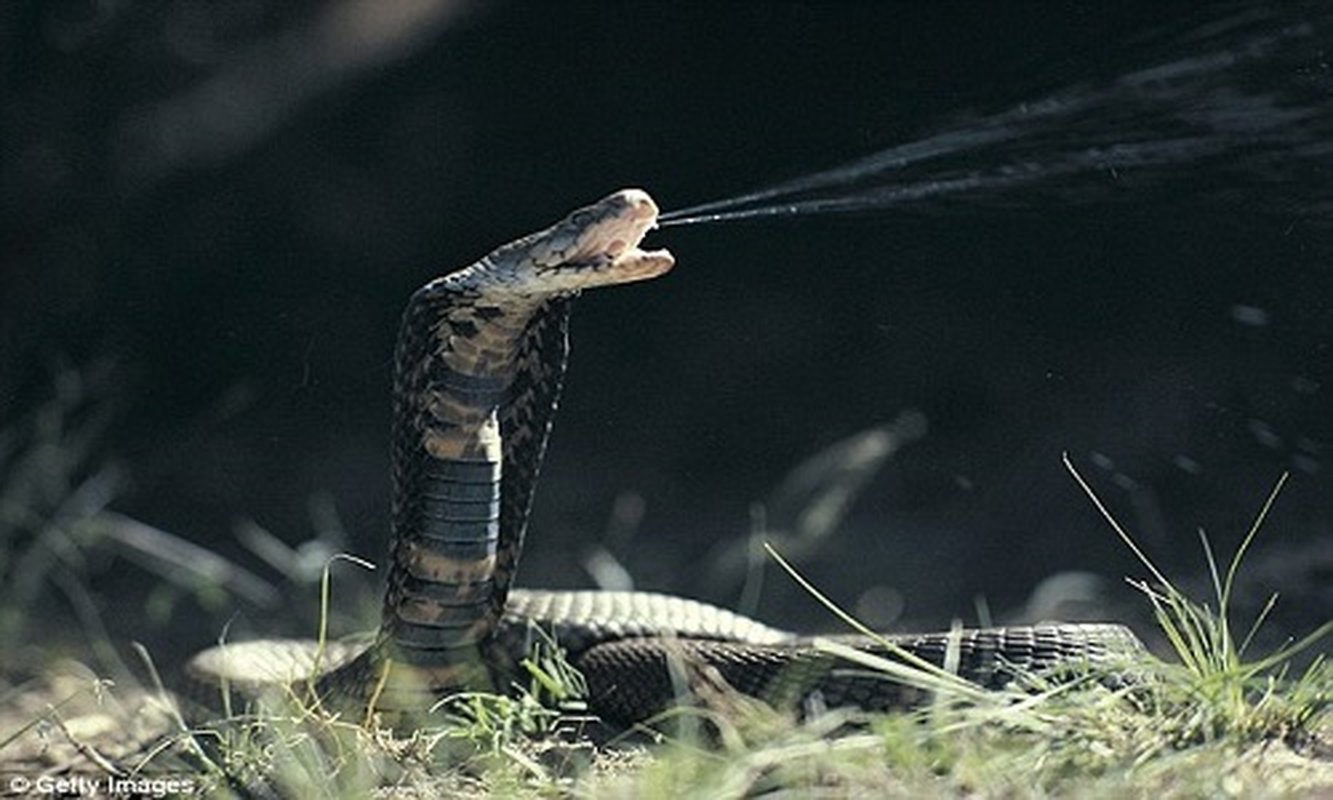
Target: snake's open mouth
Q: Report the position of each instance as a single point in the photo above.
(599, 245)
(617, 225)
(633, 264)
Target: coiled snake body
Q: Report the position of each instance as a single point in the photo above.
(477, 374)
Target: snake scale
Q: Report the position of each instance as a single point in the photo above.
(478, 369)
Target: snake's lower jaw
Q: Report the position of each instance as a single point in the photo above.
(630, 266)
(641, 265)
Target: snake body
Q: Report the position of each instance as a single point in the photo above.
(478, 369)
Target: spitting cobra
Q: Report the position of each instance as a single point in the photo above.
(478, 368)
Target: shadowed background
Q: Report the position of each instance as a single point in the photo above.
(213, 214)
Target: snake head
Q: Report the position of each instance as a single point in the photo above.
(597, 245)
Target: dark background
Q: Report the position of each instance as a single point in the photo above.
(213, 214)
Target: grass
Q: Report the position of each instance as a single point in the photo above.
(1212, 725)
(1218, 722)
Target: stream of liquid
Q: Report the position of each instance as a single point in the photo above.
(1241, 112)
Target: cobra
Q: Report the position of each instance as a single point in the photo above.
(478, 369)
